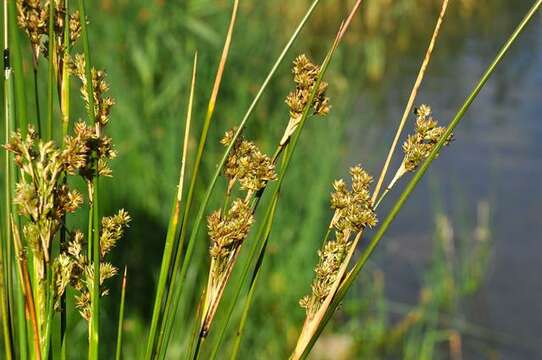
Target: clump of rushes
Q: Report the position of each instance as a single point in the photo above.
(418, 145)
(305, 76)
(44, 198)
(353, 213)
(43, 193)
(252, 170)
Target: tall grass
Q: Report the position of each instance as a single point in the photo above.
(54, 177)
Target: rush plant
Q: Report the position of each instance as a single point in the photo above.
(54, 170)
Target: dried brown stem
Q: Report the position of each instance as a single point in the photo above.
(24, 277)
(411, 100)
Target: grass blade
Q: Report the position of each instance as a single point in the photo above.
(17, 66)
(173, 222)
(347, 283)
(121, 316)
(4, 251)
(252, 288)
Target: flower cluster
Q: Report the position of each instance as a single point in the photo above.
(44, 198)
(88, 153)
(227, 232)
(247, 164)
(353, 213)
(102, 102)
(72, 266)
(113, 230)
(33, 18)
(74, 22)
(353, 210)
(41, 194)
(331, 257)
(419, 145)
(305, 78)
(228, 229)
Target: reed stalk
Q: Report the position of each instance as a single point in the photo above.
(172, 231)
(121, 316)
(410, 103)
(93, 233)
(5, 301)
(51, 84)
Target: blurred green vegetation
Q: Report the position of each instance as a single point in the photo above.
(147, 48)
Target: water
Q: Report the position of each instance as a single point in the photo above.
(495, 159)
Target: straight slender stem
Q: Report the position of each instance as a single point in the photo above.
(65, 111)
(37, 101)
(173, 222)
(52, 82)
(410, 102)
(96, 259)
(4, 253)
(121, 316)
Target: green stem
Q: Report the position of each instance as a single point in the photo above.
(17, 65)
(51, 88)
(37, 101)
(347, 283)
(172, 231)
(95, 317)
(49, 313)
(65, 110)
(94, 235)
(252, 290)
(121, 316)
(88, 65)
(4, 253)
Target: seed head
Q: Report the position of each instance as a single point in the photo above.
(247, 164)
(353, 213)
(419, 145)
(112, 230)
(227, 232)
(102, 103)
(305, 77)
(353, 210)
